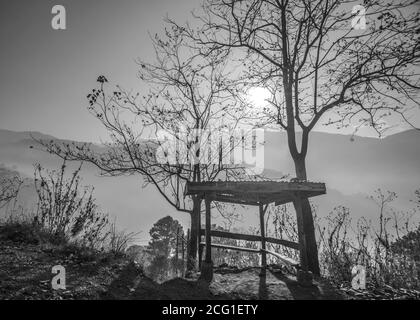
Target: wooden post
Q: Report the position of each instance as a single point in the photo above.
(208, 228)
(176, 251)
(301, 235)
(188, 248)
(192, 243)
(263, 247)
(199, 224)
(200, 256)
(200, 248)
(183, 246)
(183, 253)
(207, 265)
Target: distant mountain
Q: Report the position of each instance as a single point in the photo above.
(13, 137)
(135, 208)
(351, 168)
(356, 165)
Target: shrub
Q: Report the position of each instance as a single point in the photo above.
(67, 210)
(118, 241)
(387, 250)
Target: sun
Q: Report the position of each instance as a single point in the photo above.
(258, 97)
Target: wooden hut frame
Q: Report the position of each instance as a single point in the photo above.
(255, 193)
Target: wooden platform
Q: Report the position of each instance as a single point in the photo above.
(255, 192)
(261, 194)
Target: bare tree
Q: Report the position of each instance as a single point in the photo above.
(165, 134)
(319, 65)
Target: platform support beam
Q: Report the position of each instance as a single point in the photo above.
(207, 265)
(263, 242)
(192, 247)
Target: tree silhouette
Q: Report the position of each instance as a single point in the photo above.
(317, 66)
(187, 94)
(163, 244)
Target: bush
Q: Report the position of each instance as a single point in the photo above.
(67, 217)
(118, 241)
(388, 251)
(66, 210)
(387, 248)
(23, 231)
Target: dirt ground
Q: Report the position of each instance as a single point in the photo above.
(276, 285)
(25, 273)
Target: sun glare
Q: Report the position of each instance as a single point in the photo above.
(258, 96)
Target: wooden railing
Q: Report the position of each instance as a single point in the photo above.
(283, 259)
(251, 237)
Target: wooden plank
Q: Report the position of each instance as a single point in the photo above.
(235, 200)
(249, 187)
(200, 254)
(176, 250)
(279, 203)
(254, 199)
(251, 237)
(207, 265)
(200, 248)
(193, 239)
(283, 259)
(208, 235)
(262, 230)
(223, 246)
(282, 242)
(286, 260)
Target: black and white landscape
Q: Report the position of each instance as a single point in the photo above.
(111, 110)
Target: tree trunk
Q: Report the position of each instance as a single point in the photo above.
(300, 167)
(308, 222)
(194, 235)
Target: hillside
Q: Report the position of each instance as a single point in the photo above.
(25, 272)
(352, 170)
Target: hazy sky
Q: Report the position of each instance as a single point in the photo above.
(45, 74)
